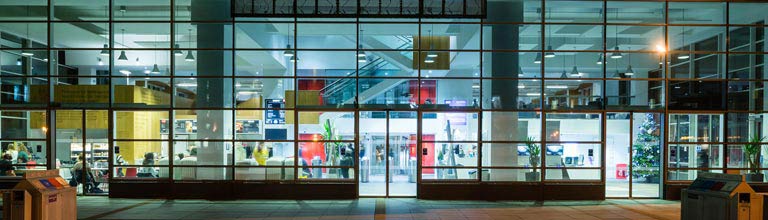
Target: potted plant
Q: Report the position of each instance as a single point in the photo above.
(332, 151)
(534, 154)
(752, 152)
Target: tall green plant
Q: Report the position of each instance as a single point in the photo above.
(752, 151)
(534, 151)
(331, 148)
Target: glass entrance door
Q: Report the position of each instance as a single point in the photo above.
(388, 152)
(633, 158)
(82, 149)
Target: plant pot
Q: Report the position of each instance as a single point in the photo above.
(532, 176)
(754, 177)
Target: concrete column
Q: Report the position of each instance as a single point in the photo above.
(503, 126)
(213, 92)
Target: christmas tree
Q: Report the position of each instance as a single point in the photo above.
(646, 149)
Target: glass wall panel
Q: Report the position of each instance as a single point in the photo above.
(696, 128)
(574, 65)
(690, 12)
(24, 35)
(462, 126)
(635, 12)
(127, 10)
(634, 94)
(574, 11)
(701, 95)
(569, 127)
(573, 94)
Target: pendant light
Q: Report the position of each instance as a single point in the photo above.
(549, 53)
(629, 71)
(616, 75)
(177, 52)
(564, 74)
(294, 59)
(288, 52)
(520, 72)
(617, 54)
(684, 56)
(105, 50)
(18, 62)
(600, 60)
(29, 41)
(431, 44)
(360, 54)
(575, 71)
(190, 57)
(98, 59)
(538, 58)
(122, 52)
(155, 70)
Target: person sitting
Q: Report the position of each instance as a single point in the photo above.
(148, 170)
(79, 173)
(188, 173)
(6, 165)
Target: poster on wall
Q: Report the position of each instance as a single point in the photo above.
(247, 127)
(185, 126)
(274, 114)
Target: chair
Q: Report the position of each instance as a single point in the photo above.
(131, 172)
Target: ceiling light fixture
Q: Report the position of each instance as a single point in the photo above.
(177, 52)
(538, 58)
(600, 60)
(105, 50)
(18, 62)
(684, 56)
(190, 57)
(122, 56)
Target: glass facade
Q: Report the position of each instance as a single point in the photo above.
(631, 95)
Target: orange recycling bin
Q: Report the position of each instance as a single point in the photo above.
(52, 197)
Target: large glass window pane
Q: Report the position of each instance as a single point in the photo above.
(388, 92)
(263, 63)
(573, 94)
(567, 127)
(691, 12)
(325, 93)
(746, 12)
(67, 10)
(565, 174)
(696, 38)
(696, 66)
(699, 95)
(700, 156)
(81, 91)
(138, 62)
(574, 11)
(747, 39)
(265, 35)
(31, 154)
(326, 126)
(79, 63)
(208, 152)
(327, 160)
(24, 35)
(580, 155)
(205, 92)
(80, 35)
(574, 65)
(23, 91)
(743, 127)
(263, 153)
(267, 124)
(326, 36)
(24, 10)
(511, 94)
(646, 154)
(635, 12)
(634, 38)
(390, 36)
(512, 64)
(15, 124)
(328, 63)
(448, 174)
(200, 63)
(449, 94)
(501, 126)
(210, 10)
(511, 37)
(746, 95)
(141, 35)
(746, 66)
(159, 10)
(208, 35)
(14, 63)
(152, 158)
(439, 36)
(463, 126)
(634, 94)
(695, 128)
(142, 125)
(572, 37)
(136, 92)
(634, 65)
(202, 125)
(262, 92)
(388, 63)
